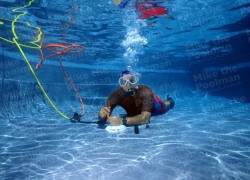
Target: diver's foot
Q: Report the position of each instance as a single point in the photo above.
(170, 102)
(169, 17)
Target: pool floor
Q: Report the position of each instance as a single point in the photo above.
(201, 138)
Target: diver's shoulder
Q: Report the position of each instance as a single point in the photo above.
(118, 91)
(144, 88)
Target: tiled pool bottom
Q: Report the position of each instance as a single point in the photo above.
(196, 140)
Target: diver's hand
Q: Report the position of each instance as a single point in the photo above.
(115, 120)
(105, 112)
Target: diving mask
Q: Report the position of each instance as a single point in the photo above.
(131, 78)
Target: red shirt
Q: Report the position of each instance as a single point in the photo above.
(143, 100)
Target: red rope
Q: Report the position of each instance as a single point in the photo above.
(59, 49)
(72, 84)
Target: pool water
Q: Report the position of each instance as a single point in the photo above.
(201, 58)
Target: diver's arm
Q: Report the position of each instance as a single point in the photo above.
(101, 118)
(142, 118)
(104, 113)
(108, 107)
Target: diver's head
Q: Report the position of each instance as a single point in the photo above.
(117, 2)
(128, 79)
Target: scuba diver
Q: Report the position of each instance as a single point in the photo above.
(147, 8)
(138, 101)
(150, 9)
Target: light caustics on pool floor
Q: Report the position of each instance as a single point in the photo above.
(206, 141)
